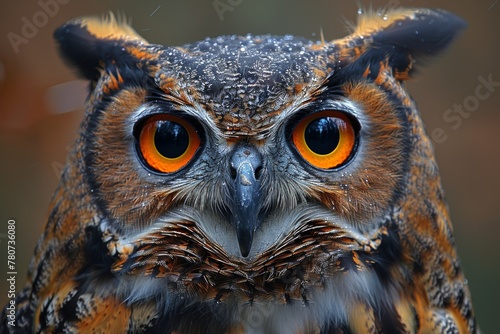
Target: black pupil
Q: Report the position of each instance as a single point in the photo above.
(322, 135)
(171, 139)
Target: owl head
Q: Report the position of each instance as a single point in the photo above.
(240, 163)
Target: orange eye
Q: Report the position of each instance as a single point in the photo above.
(325, 139)
(168, 143)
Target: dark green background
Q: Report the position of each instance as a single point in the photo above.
(34, 138)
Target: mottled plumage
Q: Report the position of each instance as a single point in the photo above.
(250, 184)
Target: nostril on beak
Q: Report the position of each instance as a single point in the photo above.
(245, 154)
(258, 172)
(232, 171)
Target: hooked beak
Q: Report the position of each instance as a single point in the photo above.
(246, 163)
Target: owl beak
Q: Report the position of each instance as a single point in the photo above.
(245, 164)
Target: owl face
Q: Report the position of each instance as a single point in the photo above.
(245, 174)
(244, 159)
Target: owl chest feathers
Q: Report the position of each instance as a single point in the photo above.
(293, 286)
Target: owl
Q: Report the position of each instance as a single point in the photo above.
(250, 184)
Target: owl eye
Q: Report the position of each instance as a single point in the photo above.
(167, 143)
(325, 139)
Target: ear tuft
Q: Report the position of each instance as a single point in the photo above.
(370, 21)
(111, 27)
(88, 43)
(403, 36)
(421, 31)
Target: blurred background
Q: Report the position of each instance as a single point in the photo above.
(41, 106)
